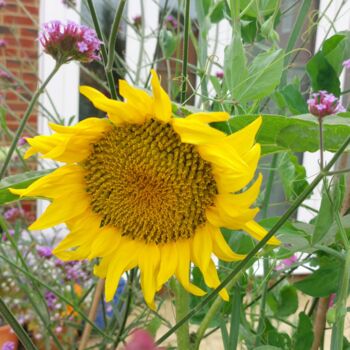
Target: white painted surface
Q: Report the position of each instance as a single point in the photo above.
(63, 88)
(325, 30)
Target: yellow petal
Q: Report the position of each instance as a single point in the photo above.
(125, 258)
(208, 117)
(104, 242)
(149, 262)
(202, 247)
(183, 268)
(168, 263)
(196, 132)
(137, 98)
(258, 232)
(221, 249)
(118, 112)
(162, 103)
(244, 139)
(212, 280)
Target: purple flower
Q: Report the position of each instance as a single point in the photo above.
(9, 345)
(137, 21)
(2, 3)
(22, 141)
(346, 64)
(170, 22)
(44, 252)
(331, 300)
(71, 41)
(286, 263)
(12, 214)
(5, 76)
(323, 103)
(220, 74)
(50, 300)
(3, 43)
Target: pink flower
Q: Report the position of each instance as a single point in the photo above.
(12, 214)
(141, 340)
(331, 300)
(220, 74)
(71, 41)
(9, 345)
(44, 252)
(3, 43)
(2, 3)
(323, 103)
(137, 21)
(22, 141)
(286, 263)
(170, 22)
(346, 64)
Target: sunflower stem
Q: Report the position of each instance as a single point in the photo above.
(182, 301)
(25, 119)
(109, 74)
(240, 266)
(185, 51)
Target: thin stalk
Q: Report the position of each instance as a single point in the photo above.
(340, 308)
(182, 301)
(17, 328)
(127, 308)
(240, 266)
(235, 317)
(92, 314)
(113, 35)
(142, 45)
(337, 172)
(185, 51)
(214, 308)
(98, 30)
(25, 119)
(320, 125)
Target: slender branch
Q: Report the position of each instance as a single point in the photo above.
(17, 328)
(98, 30)
(25, 119)
(113, 35)
(240, 266)
(185, 51)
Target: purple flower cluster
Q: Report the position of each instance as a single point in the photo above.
(285, 263)
(44, 252)
(170, 22)
(2, 3)
(323, 103)
(3, 43)
(12, 214)
(71, 41)
(9, 345)
(220, 74)
(50, 300)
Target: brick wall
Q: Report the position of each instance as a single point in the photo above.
(19, 57)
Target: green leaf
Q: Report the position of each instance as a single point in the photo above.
(153, 325)
(325, 218)
(168, 42)
(322, 74)
(297, 134)
(274, 338)
(336, 50)
(322, 282)
(249, 30)
(294, 99)
(18, 181)
(285, 303)
(264, 74)
(235, 66)
(218, 12)
(304, 335)
(258, 8)
(292, 174)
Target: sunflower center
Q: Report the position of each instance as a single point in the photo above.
(144, 181)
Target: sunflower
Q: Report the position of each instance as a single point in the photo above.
(144, 189)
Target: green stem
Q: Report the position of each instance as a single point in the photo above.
(182, 301)
(185, 51)
(320, 125)
(113, 35)
(17, 328)
(235, 316)
(109, 74)
(127, 309)
(340, 308)
(25, 119)
(337, 172)
(240, 266)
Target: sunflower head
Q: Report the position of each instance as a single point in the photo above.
(144, 189)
